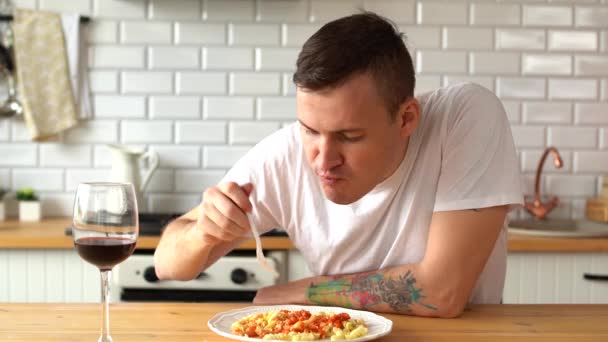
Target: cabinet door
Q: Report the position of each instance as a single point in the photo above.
(555, 278)
(38, 275)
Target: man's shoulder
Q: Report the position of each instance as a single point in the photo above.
(462, 99)
(456, 93)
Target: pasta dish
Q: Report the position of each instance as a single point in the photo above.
(300, 325)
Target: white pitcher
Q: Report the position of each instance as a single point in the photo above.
(126, 168)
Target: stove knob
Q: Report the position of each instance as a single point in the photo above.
(150, 274)
(238, 276)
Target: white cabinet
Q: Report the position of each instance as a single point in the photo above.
(59, 275)
(51, 275)
(555, 278)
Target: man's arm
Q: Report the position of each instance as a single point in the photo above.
(440, 285)
(183, 252)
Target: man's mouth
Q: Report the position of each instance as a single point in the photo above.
(328, 180)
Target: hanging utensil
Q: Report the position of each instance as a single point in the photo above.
(11, 105)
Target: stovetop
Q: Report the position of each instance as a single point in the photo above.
(152, 224)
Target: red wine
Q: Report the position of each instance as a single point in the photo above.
(104, 252)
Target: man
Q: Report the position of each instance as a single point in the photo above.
(398, 204)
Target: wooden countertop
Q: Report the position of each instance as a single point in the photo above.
(50, 234)
(188, 322)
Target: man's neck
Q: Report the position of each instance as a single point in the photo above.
(397, 162)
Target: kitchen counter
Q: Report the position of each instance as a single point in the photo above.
(50, 234)
(188, 322)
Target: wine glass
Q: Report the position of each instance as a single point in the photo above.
(105, 229)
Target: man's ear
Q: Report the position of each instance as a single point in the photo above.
(408, 116)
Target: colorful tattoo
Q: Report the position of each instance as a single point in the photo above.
(368, 289)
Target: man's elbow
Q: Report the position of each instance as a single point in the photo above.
(171, 272)
(163, 274)
(450, 304)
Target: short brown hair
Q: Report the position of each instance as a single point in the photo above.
(359, 43)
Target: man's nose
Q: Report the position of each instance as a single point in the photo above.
(328, 156)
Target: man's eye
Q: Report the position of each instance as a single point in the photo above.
(351, 138)
(309, 131)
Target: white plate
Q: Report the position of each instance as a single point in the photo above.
(377, 326)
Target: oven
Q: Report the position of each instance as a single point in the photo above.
(235, 277)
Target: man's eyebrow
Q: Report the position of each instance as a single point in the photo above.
(305, 125)
(349, 130)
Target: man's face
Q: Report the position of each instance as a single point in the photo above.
(349, 139)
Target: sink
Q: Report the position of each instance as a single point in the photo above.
(559, 228)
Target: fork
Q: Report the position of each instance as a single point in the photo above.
(258, 250)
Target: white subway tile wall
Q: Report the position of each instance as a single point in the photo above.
(281, 10)
(172, 57)
(146, 32)
(54, 155)
(4, 130)
(228, 58)
(400, 11)
(175, 9)
(547, 112)
(201, 81)
(79, 6)
(492, 14)
(174, 107)
(118, 8)
(326, 10)
(101, 81)
(178, 156)
(200, 132)
(102, 31)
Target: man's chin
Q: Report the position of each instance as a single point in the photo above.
(340, 198)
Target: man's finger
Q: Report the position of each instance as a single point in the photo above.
(210, 228)
(248, 188)
(237, 194)
(228, 209)
(223, 222)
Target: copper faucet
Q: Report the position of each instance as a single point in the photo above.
(537, 208)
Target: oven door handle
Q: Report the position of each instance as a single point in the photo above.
(595, 277)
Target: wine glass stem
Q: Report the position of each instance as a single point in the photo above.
(105, 307)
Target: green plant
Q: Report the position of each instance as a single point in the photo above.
(26, 194)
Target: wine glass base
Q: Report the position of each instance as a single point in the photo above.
(105, 339)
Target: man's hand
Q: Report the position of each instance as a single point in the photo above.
(222, 215)
(198, 238)
(290, 293)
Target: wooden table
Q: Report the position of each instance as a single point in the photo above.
(188, 322)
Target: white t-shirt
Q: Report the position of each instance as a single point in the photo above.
(461, 156)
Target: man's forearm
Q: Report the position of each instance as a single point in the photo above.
(180, 254)
(401, 289)
(394, 290)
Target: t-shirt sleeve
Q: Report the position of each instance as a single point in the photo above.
(479, 166)
(261, 166)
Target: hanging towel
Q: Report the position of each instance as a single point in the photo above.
(75, 45)
(43, 73)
